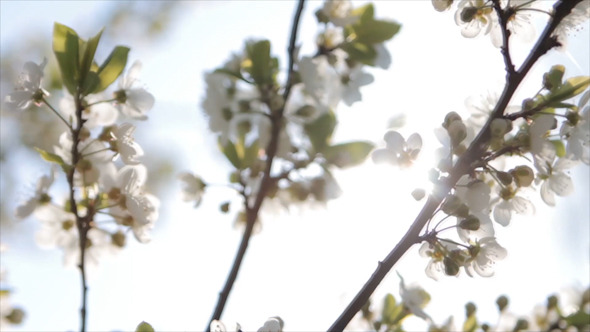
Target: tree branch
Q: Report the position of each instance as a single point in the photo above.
(252, 211)
(465, 163)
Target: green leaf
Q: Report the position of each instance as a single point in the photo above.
(261, 65)
(144, 327)
(231, 73)
(65, 47)
(559, 148)
(360, 52)
(365, 13)
(570, 88)
(375, 31)
(53, 158)
(348, 154)
(552, 79)
(230, 152)
(578, 319)
(111, 68)
(389, 309)
(89, 82)
(250, 154)
(470, 324)
(320, 131)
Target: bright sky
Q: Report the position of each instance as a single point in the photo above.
(306, 266)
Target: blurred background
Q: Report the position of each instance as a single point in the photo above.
(306, 264)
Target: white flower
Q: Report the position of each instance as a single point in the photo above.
(194, 188)
(125, 145)
(475, 194)
(133, 102)
(29, 88)
(39, 198)
(509, 203)
(435, 268)
(414, 298)
(474, 16)
(339, 12)
(442, 5)
(519, 23)
(577, 130)
(580, 14)
(93, 154)
(383, 59)
(133, 207)
(538, 130)
(484, 257)
(321, 82)
(398, 151)
(98, 114)
(352, 83)
(555, 181)
(59, 230)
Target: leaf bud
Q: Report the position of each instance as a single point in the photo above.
(451, 267)
(470, 309)
(523, 176)
(504, 177)
(470, 223)
(502, 302)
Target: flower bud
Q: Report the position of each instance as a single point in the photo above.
(471, 223)
(451, 204)
(451, 117)
(418, 194)
(504, 177)
(523, 176)
(502, 303)
(451, 267)
(224, 207)
(442, 5)
(499, 127)
(552, 302)
(15, 316)
(521, 324)
(470, 309)
(457, 131)
(468, 13)
(118, 239)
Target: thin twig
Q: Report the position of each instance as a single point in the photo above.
(266, 181)
(463, 166)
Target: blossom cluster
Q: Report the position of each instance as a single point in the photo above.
(477, 17)
(530, 148)
(246, 105)
(101, 162)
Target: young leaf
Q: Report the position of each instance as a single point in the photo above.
(53, 158)
(570, 88)
(360, 52)
(388, 312)
(87, 81)
(375, 31)
(321, 130)
(348, 154)
(111, 68)
(144, 327)
(230, 152)
(261, 64)
(65, 47)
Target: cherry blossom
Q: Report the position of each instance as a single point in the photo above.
(339, 12)
(474, 16)
(131, 101)
(193, 189)
(510, 203)
(485, 254)
(124, 144)
(555, 181)
(28, 89)
(398, 151)
(39, 198)
(414, 298)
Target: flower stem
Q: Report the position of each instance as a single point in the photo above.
(267, 180)
(57, 113)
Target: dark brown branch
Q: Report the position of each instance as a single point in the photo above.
(252, 211)
(465, 163)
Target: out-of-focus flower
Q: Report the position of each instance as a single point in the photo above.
(414, 298)
(131, 101)
(339, 12)
(98, 114)
(321, 82)
(273, 324)
(580, 14)
(352, 82)
(193, 189)
(40, 197)
(28, 89)
(577, 130)
(519, 23)
(398, 151)
(474, 16)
